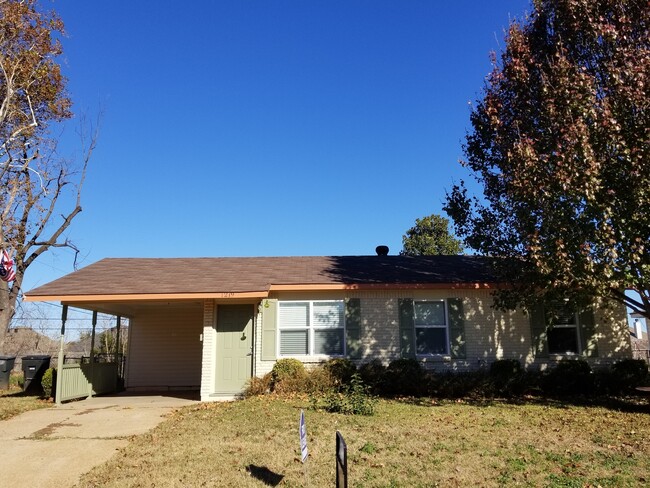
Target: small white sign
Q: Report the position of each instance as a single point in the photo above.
(303, 437)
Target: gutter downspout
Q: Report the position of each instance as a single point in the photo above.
(92, 356)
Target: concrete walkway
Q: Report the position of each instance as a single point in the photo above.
(53, 447)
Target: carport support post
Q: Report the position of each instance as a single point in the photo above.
(92, 355)
(117, 346)
(59, 365)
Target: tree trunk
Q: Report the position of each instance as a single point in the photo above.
(6, 312)
(7, 306)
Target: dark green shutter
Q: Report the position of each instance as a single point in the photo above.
(588, 342)
(406, 328)
(538, 331)
(353, 328)
(269, 321)
(456, 328)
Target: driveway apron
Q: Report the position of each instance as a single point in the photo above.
(53, 447)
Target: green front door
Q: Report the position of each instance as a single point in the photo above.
(234, 347)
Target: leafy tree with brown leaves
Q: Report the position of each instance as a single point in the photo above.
(33, 178)
(560, 143)
(429, 237)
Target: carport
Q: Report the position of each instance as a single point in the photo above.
(163, 353)
(192, 321)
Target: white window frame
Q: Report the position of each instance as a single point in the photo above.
(575, 325)
(431, 326)
(311, 328)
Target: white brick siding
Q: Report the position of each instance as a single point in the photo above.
(490, 334)
(165, 351)
(209, 350)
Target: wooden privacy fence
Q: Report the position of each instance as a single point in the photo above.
(86, 379)
(83, 380)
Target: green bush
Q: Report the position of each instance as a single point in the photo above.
(340, 370)
(287, 368)
(404, 377)
(457, 385)
(372, 375)
(505, 369)
(352, 399)
(506, 375)
(48, 382)
(569, 377)
(630, 373)
(288, 375)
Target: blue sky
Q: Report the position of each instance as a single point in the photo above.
(256, 128)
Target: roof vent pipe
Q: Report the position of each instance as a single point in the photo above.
(381, 250)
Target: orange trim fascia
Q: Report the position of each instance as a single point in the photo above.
(385, 286)
(145, 297)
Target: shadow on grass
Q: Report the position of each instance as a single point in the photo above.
(13, 393)
(627, 404)
(265, 475)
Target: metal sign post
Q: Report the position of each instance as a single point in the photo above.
(341, 462)
(304, 452)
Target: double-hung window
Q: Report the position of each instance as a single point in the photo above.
(562, 331)
(312, 328)
(431, 335)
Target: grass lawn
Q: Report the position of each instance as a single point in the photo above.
(425, 443)
(13, 402)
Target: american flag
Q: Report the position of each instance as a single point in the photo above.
(7, 272)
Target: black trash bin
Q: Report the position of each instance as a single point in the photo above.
(34, 367)
(6, 365)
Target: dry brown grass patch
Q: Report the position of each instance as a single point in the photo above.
(255, 443)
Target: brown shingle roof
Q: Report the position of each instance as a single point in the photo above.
(120, 276)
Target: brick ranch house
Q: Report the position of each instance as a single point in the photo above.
(211, 323)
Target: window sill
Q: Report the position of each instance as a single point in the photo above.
(311, 359)
(439, 358)
(564, 355)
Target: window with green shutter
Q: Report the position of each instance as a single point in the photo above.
(353, 347)
(430, 321)
(311, 328)
(269, 310)
(432, 327)
(557, 329)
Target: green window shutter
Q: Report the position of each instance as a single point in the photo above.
(269, 325)
(588, 342)
(456, 328)
(538, 331)
(406, 328)
(353, 328)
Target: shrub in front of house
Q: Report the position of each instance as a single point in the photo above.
(569, 377)
(257, 386)
(319, 380)
(372, 375)
(351, 399)
(458, 385)
(404, 377)
(506, 376)
(340, 370)
(288, 375)
(622, 377)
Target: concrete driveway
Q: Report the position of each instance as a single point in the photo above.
(53, 447)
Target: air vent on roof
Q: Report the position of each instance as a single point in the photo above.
(382, 250)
